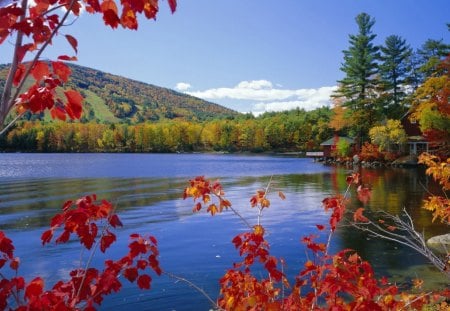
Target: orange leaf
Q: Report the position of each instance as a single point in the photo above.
(212, 209)
(58, 113)
(281, 195)
(109, 5)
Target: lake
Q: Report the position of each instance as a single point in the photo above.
(147, 189)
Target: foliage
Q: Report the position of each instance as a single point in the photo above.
(343, 281)
(432, 52)
(293, 131)
(385, 136)
(440, 171)
(343, 148)
(370, 152)
(86, 287)
(431, 109)
(258, 282)
(35, 26)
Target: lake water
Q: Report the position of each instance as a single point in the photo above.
(147, 189)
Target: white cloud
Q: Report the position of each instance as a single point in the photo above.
(183, 86)
(270, 98)
(255, 85)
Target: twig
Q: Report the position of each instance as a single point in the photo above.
(191, 284)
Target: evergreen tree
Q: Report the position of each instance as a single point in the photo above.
(394, 70)
(432, 53)
(358, 87)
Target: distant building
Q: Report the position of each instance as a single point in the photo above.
(416, 143)
(329, 146)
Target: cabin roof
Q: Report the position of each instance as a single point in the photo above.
(332, 140)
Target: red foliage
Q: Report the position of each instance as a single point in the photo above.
(343, 281)
(40, 25)
(84, 286)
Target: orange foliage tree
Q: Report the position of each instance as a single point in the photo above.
(432, 108)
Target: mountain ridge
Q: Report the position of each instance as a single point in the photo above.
(110, 98)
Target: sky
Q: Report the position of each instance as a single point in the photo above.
(247, 55)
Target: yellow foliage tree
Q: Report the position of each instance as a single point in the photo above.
(385, 136)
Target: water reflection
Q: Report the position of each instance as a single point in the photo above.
(198, 246)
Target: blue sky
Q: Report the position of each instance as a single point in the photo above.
(248, 55)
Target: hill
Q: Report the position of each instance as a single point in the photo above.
(110, 98)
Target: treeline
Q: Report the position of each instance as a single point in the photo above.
(296, 130)
(380, 80)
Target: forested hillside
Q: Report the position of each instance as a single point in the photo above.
(110, 99)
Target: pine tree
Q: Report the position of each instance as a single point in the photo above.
(358, 87)
(394, 71)
(432, 53)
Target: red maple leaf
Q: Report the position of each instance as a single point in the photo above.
(144, 281)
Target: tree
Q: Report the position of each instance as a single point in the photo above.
(431, 109)
(33, 27)
(431, 54)
(387, 135)
(394, 70)
(358, 87)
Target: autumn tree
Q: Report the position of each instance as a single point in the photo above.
(386, 136)
(358, 87)
(394, 70)
(431, 109)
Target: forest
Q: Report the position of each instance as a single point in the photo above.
(296, 130)
(382, 84)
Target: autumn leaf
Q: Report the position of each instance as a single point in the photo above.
(115, 221)
(46, 237)
(359, 217)
(363, 194)
(320, 227)
(281, 195)
(74, 105)
(18, 75)
(67, 58)
(14, 264)
(106, 240)
(144, 281)
(212, 208)
(173, 5)
(34, 288)
(40, 70)
(73, 42)
(110, 18)
(61, 70)
(6, 245)
(57, 112)
(131, 274)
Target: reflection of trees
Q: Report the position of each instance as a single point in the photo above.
(32, 203)
(392, 191)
